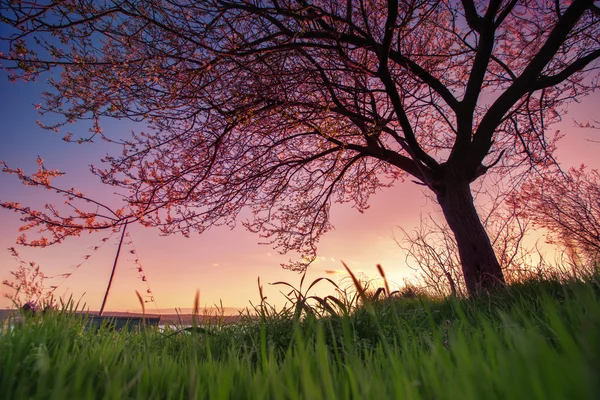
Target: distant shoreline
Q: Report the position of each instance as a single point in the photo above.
(173, 319)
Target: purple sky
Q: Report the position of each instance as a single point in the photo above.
(222, 264)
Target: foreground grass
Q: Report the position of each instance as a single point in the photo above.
(536, 341)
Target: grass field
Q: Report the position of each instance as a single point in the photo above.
(536, 340)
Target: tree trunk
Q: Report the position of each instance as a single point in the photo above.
(480, 267)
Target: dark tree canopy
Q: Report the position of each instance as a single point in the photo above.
(284, 107)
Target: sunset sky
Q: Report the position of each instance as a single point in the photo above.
(222, 264)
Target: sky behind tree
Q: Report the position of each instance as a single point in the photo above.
(221, 263)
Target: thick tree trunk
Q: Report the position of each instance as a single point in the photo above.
(480, 267)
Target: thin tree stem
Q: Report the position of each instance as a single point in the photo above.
(112, 274)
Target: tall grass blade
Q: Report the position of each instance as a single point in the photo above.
(385, 281)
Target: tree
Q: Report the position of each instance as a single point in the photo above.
(286, 106)
(433, 250)
(29, 293)
(567, 205)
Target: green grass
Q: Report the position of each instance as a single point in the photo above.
(536, 340)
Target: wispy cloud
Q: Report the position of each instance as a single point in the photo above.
(334, 272)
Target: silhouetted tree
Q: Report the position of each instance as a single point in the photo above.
(567, 204)
(286, 106)
(432, 250)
